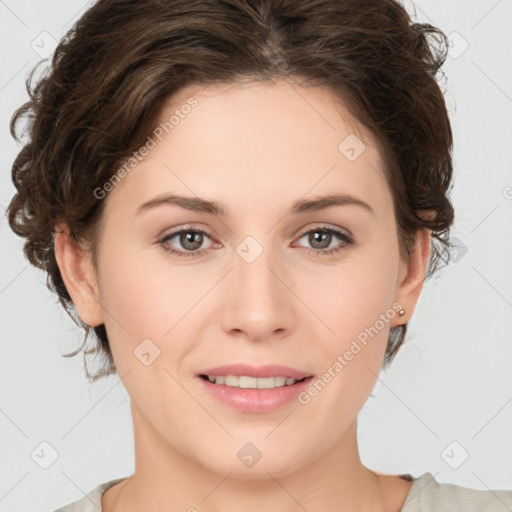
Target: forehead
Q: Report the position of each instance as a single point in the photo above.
(268, 100)
(245, 140)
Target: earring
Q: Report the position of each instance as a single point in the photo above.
(401, 312)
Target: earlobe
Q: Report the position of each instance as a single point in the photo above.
(409, 289)
(78, 274)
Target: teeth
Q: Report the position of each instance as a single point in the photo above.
(245, 382)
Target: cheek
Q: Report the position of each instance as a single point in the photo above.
(147, 298)
(147, 301)
(353, 295)
(355, 303)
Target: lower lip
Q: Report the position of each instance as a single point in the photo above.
(256, 400)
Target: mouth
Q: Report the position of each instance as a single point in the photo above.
(254, 389)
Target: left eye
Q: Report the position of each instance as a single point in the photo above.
(321, 238)
(192, 239)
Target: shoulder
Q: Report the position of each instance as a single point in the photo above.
(428, 495)
(91, 502)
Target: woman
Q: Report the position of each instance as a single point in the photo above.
(242, 201)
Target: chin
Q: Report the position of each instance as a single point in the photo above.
(246, 460)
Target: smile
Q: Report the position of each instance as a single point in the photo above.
(246, 382)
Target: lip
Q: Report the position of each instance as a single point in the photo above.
(255, 400)
(267, 370)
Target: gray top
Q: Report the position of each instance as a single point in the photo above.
(425, 495)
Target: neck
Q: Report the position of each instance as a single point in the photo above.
(164, 478)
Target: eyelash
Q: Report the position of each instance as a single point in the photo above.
(338, 234)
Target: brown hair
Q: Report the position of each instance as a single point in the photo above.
(113, 70)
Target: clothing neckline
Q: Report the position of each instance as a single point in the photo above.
(418, 483)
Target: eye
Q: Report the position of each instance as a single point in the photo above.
(190, 239)
(321, 238)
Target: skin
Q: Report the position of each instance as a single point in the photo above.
(256, 148)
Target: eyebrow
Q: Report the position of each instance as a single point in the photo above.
(197, 204)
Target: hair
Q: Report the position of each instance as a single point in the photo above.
(113, 71)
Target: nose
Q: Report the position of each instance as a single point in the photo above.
(260, 304)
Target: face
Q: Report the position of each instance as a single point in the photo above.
(265, 282)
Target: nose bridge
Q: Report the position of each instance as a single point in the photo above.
(252, 268)
(259, 302)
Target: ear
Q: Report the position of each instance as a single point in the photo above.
(412, 275)
(77, 271)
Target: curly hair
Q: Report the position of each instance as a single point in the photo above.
(112, 72)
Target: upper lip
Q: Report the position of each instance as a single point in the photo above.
(266, 370)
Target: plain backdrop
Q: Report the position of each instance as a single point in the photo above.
(444, 406)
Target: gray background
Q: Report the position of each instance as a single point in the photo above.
(447, 395)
